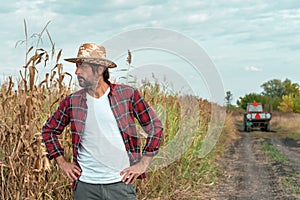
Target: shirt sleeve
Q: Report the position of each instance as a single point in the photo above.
(149, 122)
(53, 127)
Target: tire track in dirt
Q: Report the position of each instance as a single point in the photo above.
(246, 173)
(290, 150)
(250, 173)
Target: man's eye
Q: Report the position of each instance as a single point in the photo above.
(81, 66)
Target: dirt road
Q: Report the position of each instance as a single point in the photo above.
(251, 173)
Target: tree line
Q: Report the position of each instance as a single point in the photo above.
(282, 96)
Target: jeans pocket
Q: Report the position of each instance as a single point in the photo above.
(130, 189)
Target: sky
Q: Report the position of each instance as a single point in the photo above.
(211, 46)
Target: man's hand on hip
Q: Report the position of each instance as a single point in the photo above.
(130, 174)
(71, 170)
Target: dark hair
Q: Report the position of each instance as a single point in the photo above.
(105, 72)
(106, 75)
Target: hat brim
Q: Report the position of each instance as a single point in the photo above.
(98, 61)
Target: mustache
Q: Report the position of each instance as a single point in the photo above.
(80, 77)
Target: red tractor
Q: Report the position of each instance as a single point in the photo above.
(257, 117)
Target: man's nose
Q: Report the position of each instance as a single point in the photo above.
(77, 71)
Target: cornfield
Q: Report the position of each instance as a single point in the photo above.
(26, 172)
(24, 108)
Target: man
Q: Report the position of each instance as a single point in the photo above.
(106, 150)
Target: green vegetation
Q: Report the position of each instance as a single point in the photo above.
(274, 153)
(290, 182)
(286, 125)
(297, 190)
(228, 99)
(283, 96)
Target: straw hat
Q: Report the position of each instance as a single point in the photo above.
(92, 53)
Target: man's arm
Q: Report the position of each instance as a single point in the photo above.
(153, 127)
(150, 123)
(53, 127)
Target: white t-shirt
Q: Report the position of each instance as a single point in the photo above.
(102, 155)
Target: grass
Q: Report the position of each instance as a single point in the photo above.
(297, 190)
(289, 182)
(286, 125)
(274, 153)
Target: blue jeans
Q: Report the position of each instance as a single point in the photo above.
(113, 191)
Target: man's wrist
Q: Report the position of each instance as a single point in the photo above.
(60, 160)
(146, 160)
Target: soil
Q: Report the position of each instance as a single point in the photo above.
(250, 173)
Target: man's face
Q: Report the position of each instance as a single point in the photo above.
(85, 75)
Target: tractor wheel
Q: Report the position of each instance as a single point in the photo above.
(248, 128)
(267, 128)
(245, 127)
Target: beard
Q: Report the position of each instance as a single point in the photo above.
(85, 83)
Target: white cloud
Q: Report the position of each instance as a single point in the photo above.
(234, 32)
(196, 18)
(253, 69)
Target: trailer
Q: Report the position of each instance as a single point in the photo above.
(257, 116)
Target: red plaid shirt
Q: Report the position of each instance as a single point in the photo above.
(126, 104)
